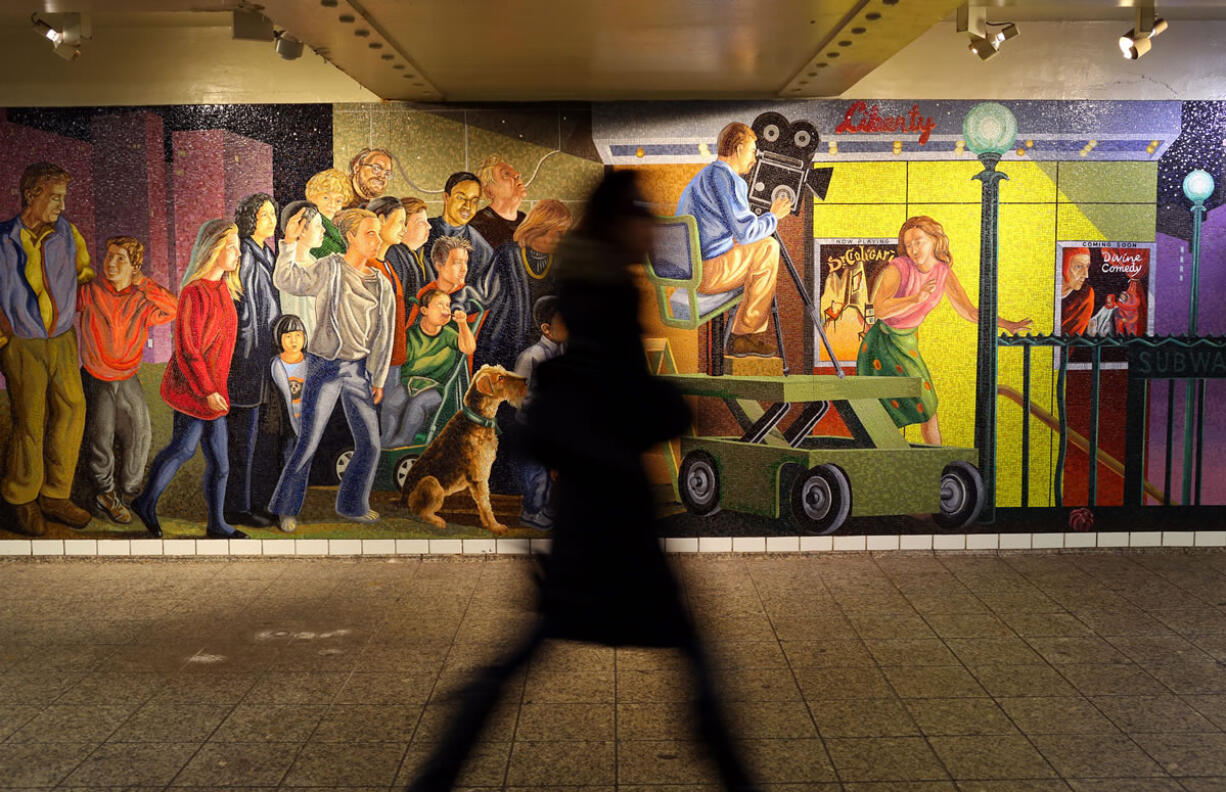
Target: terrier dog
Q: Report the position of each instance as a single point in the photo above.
(463, 452)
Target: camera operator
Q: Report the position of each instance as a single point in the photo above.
(738, 247)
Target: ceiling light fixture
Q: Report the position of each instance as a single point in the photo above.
(1145, 25)
(973, 20)
(288, 47)
(66, 35)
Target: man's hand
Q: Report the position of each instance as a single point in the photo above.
(781, 207)
(217, 402)
(376, 394)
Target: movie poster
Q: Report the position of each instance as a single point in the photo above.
(1103, 289)
(848, 270)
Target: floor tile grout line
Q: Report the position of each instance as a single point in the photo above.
(1081, 694)
(795, 680)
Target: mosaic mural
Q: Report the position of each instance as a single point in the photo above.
(273, 321)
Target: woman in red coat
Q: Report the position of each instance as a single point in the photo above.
(195, 381)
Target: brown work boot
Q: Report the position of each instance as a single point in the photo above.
(64, 511)
(112, 507)
(29, 519)
(750, 345)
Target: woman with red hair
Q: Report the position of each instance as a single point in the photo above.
(906, 291)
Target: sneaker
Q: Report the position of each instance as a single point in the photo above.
(288, 523)
(538, 520)
(110, 505)
(755, 345)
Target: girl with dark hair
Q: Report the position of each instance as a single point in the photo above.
(194, 384)
(906, 291)
(258, 308)
(391, 214)
(282, 411)
(312, 235)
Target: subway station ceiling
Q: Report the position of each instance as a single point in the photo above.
(523, 50)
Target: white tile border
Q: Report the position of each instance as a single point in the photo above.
(776, 544)
(915, 542)
(715, 544)
(749, 544)
(674, 544)
(1009, 541)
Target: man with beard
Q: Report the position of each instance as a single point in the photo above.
(370, 174)
(461, 194)
(504, 188)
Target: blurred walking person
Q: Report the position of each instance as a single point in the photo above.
(595, 410)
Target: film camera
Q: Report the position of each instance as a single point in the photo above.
(784, 167)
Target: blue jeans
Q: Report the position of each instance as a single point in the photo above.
(327, 381)
(188, 434)
(537, 485)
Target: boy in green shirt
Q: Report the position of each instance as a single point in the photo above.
(436, 346)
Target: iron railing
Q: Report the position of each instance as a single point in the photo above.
(1149, 357)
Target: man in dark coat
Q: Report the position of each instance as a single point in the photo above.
(248, 490)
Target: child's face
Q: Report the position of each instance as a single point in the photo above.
(293, 341)
(439, 310)
(555, 329)
(118, 267)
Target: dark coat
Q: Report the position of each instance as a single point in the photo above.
(258, 308)
(511, 286)
(595, 410)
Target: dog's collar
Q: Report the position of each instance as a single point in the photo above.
(476, 417)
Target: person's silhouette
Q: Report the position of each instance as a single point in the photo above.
(595, 410)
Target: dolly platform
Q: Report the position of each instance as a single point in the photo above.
(819, 481)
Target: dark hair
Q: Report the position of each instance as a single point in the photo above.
(460, 178)
(425, 300)
(545, 310)
(248, 208)
(294, 207)
(288, 323)
(615, 199)
(35, 176)
(384, 205)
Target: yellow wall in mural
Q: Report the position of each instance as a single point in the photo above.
(1041, 203)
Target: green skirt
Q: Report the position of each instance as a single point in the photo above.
(890, 352)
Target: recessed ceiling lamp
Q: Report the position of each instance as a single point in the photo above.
(973, 20)
(288, 47)
(1145, 26)
(66, 36)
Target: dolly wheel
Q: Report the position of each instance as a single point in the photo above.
(400, 473)
(342, 463)
(961, 495)
(698, 482)
(821, 499)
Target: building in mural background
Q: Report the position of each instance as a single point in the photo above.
(158, 174)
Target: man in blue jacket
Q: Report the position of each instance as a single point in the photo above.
(738, 247)
(42, 260)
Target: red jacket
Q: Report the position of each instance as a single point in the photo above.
(205, 333)
(400, 350)
(115, 325)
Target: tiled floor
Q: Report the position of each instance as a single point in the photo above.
(1102, 671)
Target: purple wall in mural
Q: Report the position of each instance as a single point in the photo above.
(1172, 291)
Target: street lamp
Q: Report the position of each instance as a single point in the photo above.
(1198, 186)
(990, 130)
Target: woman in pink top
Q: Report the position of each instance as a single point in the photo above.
(907, 290)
